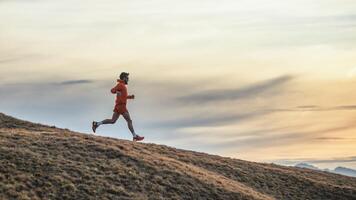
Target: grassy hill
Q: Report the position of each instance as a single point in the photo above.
(43, 162)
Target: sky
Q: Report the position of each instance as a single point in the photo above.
(259, 80)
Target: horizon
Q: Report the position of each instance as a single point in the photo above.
(268, 81)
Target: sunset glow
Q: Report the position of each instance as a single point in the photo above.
(270, 81)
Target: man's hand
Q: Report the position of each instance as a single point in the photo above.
(118, 93)
(132, 96)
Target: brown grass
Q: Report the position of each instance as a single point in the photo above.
(42, 162)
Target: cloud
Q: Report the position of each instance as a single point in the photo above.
(7, 60)
(344, 107)
(339, 160)
(206, 121)
(273, 137)
(330, 138)
(307, 106)
(333, 129)
(260, 141)
(315, 108)
(175, 115)
(317, 161)
(15, 58)
(42, 86)
(75, 82)
(234, 94)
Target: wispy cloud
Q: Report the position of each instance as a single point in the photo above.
(188, 114)
(7, 60)
(260, 141)
(345, 107)
(206, 121)
(275, 137)
(43, 85)
(317, 161)
(330, 138)
(332, 129)
(20, 57)
(234, 94)
(307, 106)
(344, 160)
(75, 82)
(315, 108)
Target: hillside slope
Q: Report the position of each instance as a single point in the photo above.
(42, 162)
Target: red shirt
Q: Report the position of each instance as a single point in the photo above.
(121, 87)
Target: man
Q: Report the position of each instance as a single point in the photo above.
(120, 106)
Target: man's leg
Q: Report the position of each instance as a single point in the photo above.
(128, 119)
(113, 119)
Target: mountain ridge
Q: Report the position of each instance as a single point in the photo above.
(44, 162)
(338, 170)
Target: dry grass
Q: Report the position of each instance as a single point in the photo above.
(42, 162)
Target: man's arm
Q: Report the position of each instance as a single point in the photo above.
(131, 96)
(116, 90)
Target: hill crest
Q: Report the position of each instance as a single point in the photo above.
(44, 162)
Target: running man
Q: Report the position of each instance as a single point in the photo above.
(120, 106)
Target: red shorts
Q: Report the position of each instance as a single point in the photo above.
(120, 108)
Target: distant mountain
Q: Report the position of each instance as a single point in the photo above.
(339, 170)
(345, 171)
(307, 166)
(45, 162)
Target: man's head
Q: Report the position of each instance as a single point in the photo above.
(125, 77)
